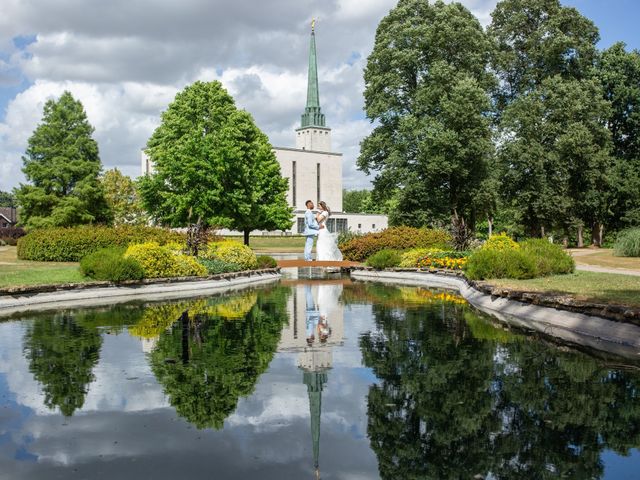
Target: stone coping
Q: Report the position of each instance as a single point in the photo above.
(48, 297)
(620, 338)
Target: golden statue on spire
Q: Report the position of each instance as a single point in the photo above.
(313, 24)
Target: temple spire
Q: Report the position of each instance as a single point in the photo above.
(312, 116)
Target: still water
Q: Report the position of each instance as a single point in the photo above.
(304, 380)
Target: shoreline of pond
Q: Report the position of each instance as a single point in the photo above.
(46, 297)
(561, 317)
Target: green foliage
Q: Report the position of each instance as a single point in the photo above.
(397, 238)
(215, 266)
(265, 261)
(10, 235)
(213, 165)
(62, 165)
(62, 355)
(426, 88)
(160, 261)
(220, 360)
(347, 235)
(483, 264)
(122, 197)
(410, 258)
(384, 259)
(72, 244)
(7, 199)
(230, 251)
(110, 264)
(500, 241)
(550, 259)
(360, 201)
(628, 243)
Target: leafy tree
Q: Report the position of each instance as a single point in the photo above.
(426, 87)
(122, 197)
(62, 165)
(219, 360)
(360, 201)
(62, 355)
(619, 73)
(538, 39)
(554, 156)
(213, 166)
(7, 199)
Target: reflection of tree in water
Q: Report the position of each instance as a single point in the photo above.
(61, 355)
(451, 406)
(208, 362)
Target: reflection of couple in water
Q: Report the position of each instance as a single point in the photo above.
(316, 322)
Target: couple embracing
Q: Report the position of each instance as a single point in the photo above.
(315, 225)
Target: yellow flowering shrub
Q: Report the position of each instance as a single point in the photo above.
(159, 261)
(410, 258)
(500, 242)
(230, 251)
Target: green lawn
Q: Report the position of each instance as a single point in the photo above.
(275, 244)
(14, 272)
(586, 286)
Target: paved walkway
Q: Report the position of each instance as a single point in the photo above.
(577, 253)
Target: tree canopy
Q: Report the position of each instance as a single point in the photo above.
(62, 166)
(122, 197)
(213, 165)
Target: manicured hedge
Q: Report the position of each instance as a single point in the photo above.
(110, 264)
(265, 261)
(73, 243)
(230, 251)
(160, 261)
(384, 259)
(397, 238)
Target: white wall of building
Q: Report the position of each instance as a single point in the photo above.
(314, 138)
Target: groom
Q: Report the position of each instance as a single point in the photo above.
(311, 229)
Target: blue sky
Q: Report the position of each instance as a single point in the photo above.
(126, 59)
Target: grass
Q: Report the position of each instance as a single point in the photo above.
(14, 272)
(605, 258)
(587, 286)
(264, 244)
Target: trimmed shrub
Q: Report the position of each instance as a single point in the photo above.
(10, 235)
(501, 241)
(410, 258)
(265, 261)
(159, 261)
(110, 264)
(232, 252)
(628, 243)
(384, 259)
(489, 263)
(452, 260)
(396, 238)
(215, 266)
(550, 259)
(73, 243)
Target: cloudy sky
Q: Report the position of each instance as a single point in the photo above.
(126, 59)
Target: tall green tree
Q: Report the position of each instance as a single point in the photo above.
(538, 39)
(426, 86)
(619, 73)
(555, 156)
(360, 201)
(122, 197)
(213, 165)
(62, 166)
(7, 199)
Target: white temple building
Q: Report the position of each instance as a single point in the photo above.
(314, 171)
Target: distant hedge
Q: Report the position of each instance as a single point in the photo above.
(396, 238)
(73, 243)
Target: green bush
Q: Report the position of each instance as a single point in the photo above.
(215, 266)
(232, 252)
(550, 259)
(500, 241)
(159, 261)
(265, 261)
(410, 257)
(628, 243)
(489, 263)
(73, 243)
(396, 238)
(384, 259)
(110, 264)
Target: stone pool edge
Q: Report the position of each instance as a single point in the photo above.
(615, 337)
(88, 295)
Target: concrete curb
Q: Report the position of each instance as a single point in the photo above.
(589, 331)
(107, 295)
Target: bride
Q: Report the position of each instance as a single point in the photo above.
(327, 246)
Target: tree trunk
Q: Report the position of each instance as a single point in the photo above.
(596, 234)
(490, 221)
(541, 231)
(246, 237)
(580, 236)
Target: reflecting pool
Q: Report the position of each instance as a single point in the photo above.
(308, 379)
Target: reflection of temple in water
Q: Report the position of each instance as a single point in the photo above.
(316, 325)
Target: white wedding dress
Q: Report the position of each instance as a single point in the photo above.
(327, 246)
